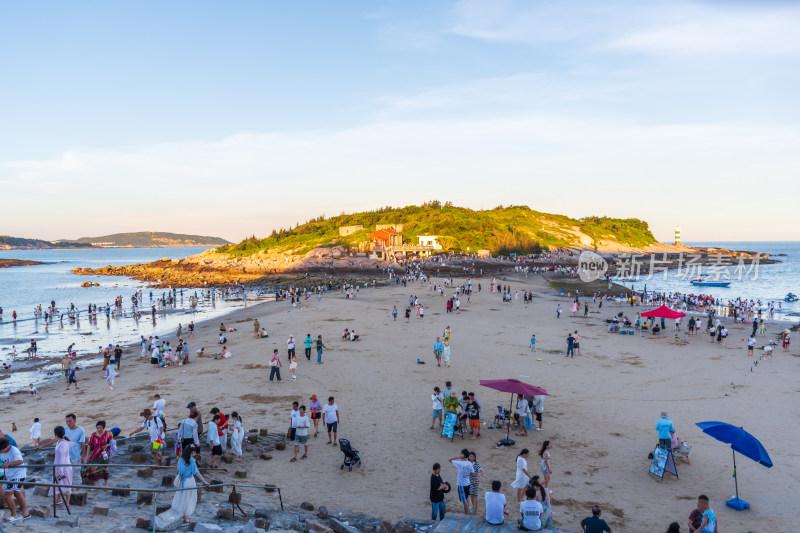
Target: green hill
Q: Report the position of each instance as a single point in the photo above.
(500, 230)
(151, 239)
(19, 242)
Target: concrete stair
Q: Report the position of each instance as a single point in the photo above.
(461, 523)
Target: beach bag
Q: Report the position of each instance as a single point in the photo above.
(177, 481)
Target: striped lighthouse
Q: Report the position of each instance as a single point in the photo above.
(677, 235)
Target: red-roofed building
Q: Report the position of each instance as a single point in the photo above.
(386, 238)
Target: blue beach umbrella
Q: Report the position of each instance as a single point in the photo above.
(743, 442)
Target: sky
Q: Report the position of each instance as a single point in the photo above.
(236, 118)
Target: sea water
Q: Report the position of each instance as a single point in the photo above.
(25, 287)
(764, 282)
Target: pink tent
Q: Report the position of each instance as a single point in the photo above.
(663, 312)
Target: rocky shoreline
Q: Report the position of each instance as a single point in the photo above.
(7, 263)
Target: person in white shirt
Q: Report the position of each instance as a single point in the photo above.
(154, 426)
(290, 346)
(158, 408)
(294, 416)
(11, 458)
(538, 407)
(496, 505)
(301, 433)
(330, 417)
(522, 413)
(213, 441)
(36, 432)
(437, 398)
(464, 468)
(530, 510)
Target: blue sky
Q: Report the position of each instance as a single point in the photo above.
(237, 118)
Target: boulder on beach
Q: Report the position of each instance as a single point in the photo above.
(86, 284)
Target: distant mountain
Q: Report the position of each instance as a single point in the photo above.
(150, 239)
(7, 242)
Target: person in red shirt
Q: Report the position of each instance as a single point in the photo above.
(222, 425)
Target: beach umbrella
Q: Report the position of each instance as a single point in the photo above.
(514, 386)
(741, 441)
(663, 312)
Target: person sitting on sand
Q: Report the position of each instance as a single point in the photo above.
(226, 354)
(353, 336)
(222, 339)
(222, 328)
(346, 334)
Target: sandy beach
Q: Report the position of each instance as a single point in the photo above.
(599, 416)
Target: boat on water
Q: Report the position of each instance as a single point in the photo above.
(702, 283)
(790, 298)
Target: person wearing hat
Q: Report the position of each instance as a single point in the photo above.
(664, 427)
(290, 346)
(155, 426)
(315, 407)
(192, 407)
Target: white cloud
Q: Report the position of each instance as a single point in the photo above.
(760, 31)
(253, 182)
(679, 27)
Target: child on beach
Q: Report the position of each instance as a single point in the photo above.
(533, 343)
(33, 392)
(36, 432)
(293, 367)
(110, 375)
(71, 379)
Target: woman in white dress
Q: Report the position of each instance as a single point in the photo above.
(523, 477)
(237, 436)
(63, 474)
(185, 501)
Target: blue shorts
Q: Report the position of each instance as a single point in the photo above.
(437, 413)
(463, 493)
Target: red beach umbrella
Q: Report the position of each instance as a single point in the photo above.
(514, 386)
(663, 312)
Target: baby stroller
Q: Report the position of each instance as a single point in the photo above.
(351, 457)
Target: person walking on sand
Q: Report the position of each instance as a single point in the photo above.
(110, 376)
(293, 367)
(307, 342)
(522, 476)
(290, 347)
(394, 313)
(36, 432)
(438, 348)
(558, 311)
(464, 469)
(544, 453)
(446, 353)
(570, 345)
(301, 434)
(275, 367)
(538, 407)
(315, 406)
(437, 398)
(331, 417)
(256, 329)
(71, 380)
(320, 346)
